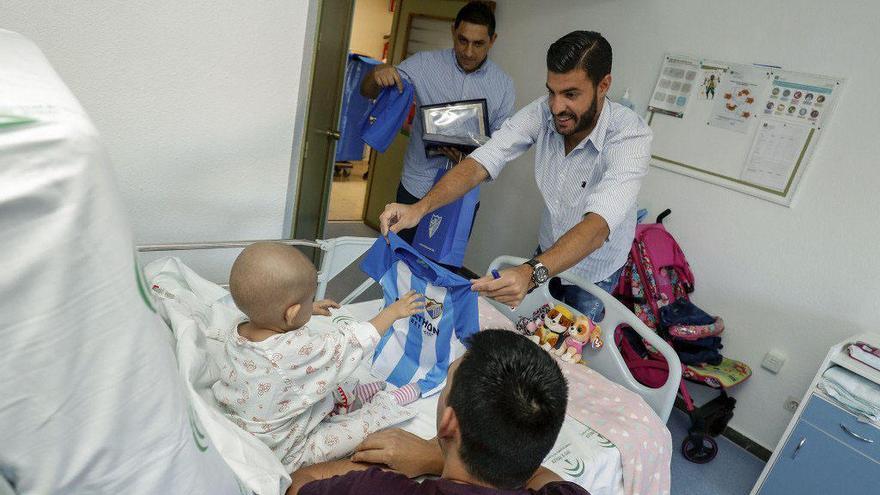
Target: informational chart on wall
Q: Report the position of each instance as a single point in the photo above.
(747, 127)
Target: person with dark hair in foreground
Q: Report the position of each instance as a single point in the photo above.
(591, 155)
(497, 418)
(441, 76)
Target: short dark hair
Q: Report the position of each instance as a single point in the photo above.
(509, 396)
(477, 13)
(588, 50)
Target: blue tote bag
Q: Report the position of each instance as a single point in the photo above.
(442, 235)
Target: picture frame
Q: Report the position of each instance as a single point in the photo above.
(458, 124)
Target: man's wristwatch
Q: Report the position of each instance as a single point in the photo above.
(540, 273)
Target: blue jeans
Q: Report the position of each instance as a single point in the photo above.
(580, 299)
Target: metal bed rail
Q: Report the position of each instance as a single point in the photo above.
(337, 254)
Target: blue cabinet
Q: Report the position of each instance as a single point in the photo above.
(825, 449)
(828, 452)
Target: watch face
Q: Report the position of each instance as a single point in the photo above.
(541, 274)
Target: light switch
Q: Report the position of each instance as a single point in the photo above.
(773, 361)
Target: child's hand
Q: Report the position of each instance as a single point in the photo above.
(410, 304)
(323, 306)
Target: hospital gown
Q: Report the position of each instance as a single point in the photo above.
(281, 389)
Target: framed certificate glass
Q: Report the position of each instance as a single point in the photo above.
(458, 124)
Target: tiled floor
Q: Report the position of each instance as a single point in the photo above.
(347, 194)
(732, 472)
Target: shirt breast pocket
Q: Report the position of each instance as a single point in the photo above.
(591, 177)
(580, 189)
(575, 198)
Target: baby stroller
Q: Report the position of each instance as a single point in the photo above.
(655, 283)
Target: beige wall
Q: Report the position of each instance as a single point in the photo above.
(372, 21)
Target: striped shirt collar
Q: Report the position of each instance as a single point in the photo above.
(480, 69)
(597, 136)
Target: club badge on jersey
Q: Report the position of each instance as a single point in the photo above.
(420, 348)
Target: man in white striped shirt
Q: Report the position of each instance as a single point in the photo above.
(591, 156)
(464, 72)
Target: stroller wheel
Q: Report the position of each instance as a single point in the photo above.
(699, 449)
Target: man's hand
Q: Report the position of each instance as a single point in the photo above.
(401, 451)
(388, 76)
(323, 306)
(452, 153)
(510, 288)
(397, 217)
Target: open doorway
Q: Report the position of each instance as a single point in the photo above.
(368, 45)
(414, 25)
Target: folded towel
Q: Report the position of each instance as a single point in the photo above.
(863, 352)
(858, 394)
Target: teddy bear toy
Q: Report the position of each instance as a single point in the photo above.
(581, 333)
(553, 328)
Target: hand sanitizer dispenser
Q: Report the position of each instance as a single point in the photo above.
(625, 101)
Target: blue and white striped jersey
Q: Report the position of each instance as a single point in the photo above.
(420, 348)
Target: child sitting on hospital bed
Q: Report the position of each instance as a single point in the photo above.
(286, 374)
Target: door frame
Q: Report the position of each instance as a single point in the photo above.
(306, 74)
(317, 30)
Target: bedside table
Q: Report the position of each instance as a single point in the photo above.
(826, 449)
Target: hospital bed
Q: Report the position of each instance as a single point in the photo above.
(602, 473)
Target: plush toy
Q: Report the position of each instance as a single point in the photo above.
(535, 331)
(541, 312)
(555, 325)
(528, 325)
(525, 326)
(583, 332)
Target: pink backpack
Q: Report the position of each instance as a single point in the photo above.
(656, 273)
(649, 372)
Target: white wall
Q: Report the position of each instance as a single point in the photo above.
(796, 279)
(372, 20)
(195, 101)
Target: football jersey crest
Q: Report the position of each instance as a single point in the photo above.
(433, 308)
(435, 224)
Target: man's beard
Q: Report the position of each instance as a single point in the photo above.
(585, 120)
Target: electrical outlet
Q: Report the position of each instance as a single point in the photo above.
(791, 404)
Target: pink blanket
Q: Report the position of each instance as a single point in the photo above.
(492, 318)
(625, 419)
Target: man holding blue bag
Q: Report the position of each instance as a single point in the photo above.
(591, 156)
(443, 76)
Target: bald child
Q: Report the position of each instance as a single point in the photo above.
(286, 372)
